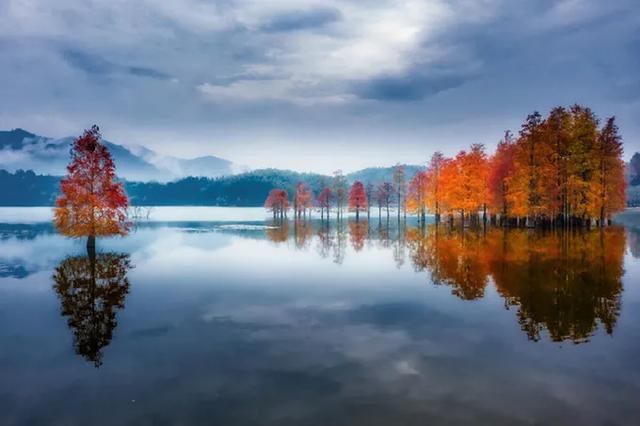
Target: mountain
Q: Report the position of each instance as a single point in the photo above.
(20, 149)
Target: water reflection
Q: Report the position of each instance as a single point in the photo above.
(359, 233)
(562, 284)
(634, 242)
(91, 290)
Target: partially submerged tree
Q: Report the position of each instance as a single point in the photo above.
(608, 187)
(400, 188)
(369, 189)
(339, 191)
(417, 195)
(324, 201)
(357, 198)
(92, 202)
(433, 195)
(303, 200)
(384, 194)
(278, 202)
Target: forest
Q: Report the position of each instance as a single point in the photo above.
(560, 170)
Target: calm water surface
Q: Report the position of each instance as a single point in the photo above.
(207, 320)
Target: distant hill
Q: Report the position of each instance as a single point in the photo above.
(377, 175)
(633, 170)
(26, 188)
(20, 149)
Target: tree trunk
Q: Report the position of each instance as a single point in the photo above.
(91, 246)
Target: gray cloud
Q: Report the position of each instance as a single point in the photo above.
(301, 20)
(96, 65)
(410, 87)
(309, 83)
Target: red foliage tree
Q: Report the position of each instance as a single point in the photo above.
(357, 198)
(303, 199)
(324, 201)
(92, 202)
(277, 202)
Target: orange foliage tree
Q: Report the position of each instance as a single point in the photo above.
(464, 182)
(607, 193)
(500, 168)
(417, 195)
(92, 202)
(561, 170)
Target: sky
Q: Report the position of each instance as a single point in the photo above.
(314, 85)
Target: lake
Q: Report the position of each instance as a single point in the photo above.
(216, 316)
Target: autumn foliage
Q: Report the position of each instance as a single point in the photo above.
(565, 169)
(277, 202)
(324, 201)
(303, 200)
(357, 198)
(92, 202)
(562, 169)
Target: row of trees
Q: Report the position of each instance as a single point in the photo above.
(562, 169)
(358, 198)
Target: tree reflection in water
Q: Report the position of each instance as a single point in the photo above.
(634, 242)
(561, 283)
(359, 232)
(91, 290)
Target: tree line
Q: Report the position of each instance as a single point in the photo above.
(565, 169)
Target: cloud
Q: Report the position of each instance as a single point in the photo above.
(409, 87)
(301, 20)
(275, 90)
(96, 65)
(90, 64)
(246, 79)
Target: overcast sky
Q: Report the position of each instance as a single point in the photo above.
(314, 84)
